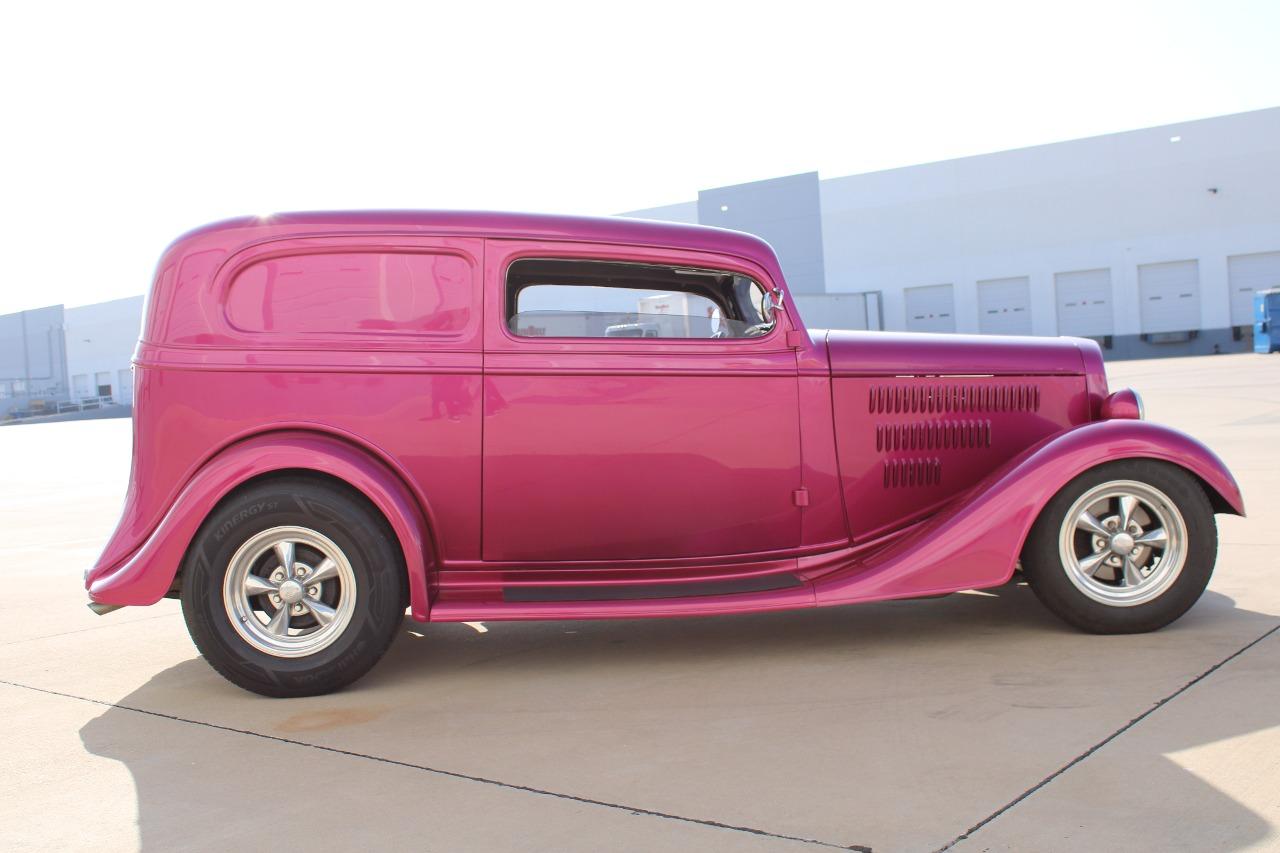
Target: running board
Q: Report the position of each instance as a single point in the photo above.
(689, 600)
(639, 591)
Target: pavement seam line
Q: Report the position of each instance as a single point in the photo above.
(634, 810)
(90, 628)
(1108, 739)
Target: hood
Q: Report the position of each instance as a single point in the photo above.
(915, 354)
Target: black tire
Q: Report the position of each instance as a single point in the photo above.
(1051, 579)
(345, 518)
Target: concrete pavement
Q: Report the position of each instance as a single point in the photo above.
(904, 726)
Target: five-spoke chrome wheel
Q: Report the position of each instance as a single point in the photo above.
(289, 591)
(1123, 543)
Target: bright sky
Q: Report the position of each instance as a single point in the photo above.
(125, 125)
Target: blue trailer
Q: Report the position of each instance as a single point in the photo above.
(1266, 314)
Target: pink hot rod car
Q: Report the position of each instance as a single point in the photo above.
(492, 416)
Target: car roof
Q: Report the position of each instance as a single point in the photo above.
(478, 223)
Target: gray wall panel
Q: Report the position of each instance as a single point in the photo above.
(784, 211)
(31, 346)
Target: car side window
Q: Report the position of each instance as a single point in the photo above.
(552, 298)
(353, 293)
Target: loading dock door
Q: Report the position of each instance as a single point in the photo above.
(1245, 274)
(1004, 306)
(1084, 303)
(1170, 295)
(931, 308)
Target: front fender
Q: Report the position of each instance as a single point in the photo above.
(976, 541)
(148, 573)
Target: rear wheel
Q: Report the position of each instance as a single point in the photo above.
(1124, 548)
(293, 588)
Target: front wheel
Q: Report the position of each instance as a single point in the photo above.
(1124, 548)
(293, 588)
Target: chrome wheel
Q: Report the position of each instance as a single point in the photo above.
(1123, 543)
(289, 591)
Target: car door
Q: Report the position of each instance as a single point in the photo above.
(627, 431)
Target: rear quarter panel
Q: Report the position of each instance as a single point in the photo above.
(202, 383)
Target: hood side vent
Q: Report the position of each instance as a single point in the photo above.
(947, 397)
(933, 435)
(910, 441)
(905, 473)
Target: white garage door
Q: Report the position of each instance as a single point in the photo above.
(1004, 306)
(1084, 303)
(124, 386)
(931, 309)
(1170, 296)
(1247, 273)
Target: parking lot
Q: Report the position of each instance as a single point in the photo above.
(973, 722)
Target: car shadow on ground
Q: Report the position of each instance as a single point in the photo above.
(198, 782)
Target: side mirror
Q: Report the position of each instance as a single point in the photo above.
(771, 302)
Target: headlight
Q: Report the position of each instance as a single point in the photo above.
(1125, 404)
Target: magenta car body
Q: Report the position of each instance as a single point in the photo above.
(532, 476)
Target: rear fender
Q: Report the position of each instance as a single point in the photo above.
(976, 541)
(147, 574)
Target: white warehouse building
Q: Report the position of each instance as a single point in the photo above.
(100, 341)
(55, 360)
(1151, 241)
